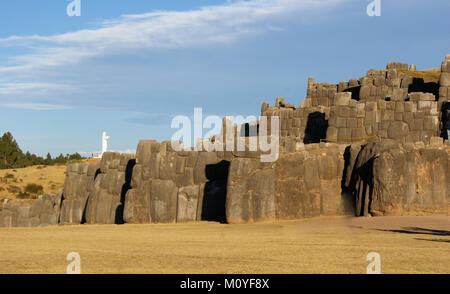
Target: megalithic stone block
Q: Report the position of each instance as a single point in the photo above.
(342, 99)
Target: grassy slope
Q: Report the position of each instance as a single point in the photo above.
(430, 75)
(50, 177)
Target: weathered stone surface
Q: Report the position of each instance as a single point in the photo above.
(106, 199)
(342, 98)
(188, 203)
(397, 130)
(75, 193)
(391, 180)
(163, 201)
(44, 211)
(445, 79)
(305, 184)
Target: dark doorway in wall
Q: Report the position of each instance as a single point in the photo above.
(418, 85)
(215, 193)
(445, 120)
(249, 130)
(316, 128)
(355, 92)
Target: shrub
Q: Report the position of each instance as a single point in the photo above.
(13, 189)
(8, 176)
(34, 189)
(23, 195)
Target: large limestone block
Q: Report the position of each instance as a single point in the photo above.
(188, 198)
(291, 166)
(137, 205)
(144, 150)
(293, 200)
(328, 166)
(445, 79)
(167, 167)
(163, 201)
(331, 200)
(332, 133)
(342, 98)
(240, 199)
(75, 194)
(261, 191)
(204, 158)
(436, 141)
(390, 180)
(110, 160)
(136, 178)
(397, 130)
(312, 174)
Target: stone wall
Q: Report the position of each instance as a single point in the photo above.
(404, 121)
(383, 104)
(304, 183)
(106, 199)
(168, 186)
(444, 82)
(405, 170)
(308, 180)
(43, 211)
(95, 193)
(399, 179)
(79, 182)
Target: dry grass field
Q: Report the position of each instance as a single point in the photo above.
(324, 245)
(51, 178)
(13, 181)
(429, 75)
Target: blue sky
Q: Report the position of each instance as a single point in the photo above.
(128, 67)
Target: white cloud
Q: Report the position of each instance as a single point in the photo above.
(37, 87)
(159, 29)
(36, 106)
(163, 29)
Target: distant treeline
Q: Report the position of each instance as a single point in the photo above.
(12, 157)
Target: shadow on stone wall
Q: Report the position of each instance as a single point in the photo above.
(126, 186)
(316, 128)
(215, 192)
(418, 85)
(445, 118)
(355, 92)
(248, 130)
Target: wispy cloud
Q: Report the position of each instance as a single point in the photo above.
(220, 24)
(37, 106)
(14, 88)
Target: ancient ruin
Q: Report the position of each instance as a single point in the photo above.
(375, 146)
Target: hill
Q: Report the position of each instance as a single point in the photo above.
(13, 182)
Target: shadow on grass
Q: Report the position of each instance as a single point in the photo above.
(417, 230)
(434, 240)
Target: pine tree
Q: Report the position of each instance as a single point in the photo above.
(11, 156)
(10, 153)
(48, 159)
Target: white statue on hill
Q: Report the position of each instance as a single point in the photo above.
(104, 143)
